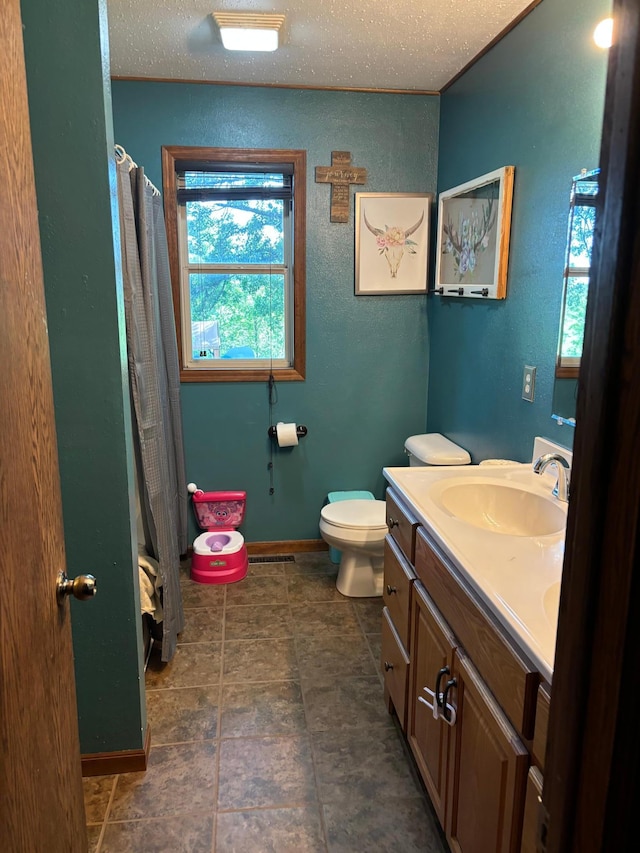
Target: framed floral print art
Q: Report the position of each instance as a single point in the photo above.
(392, 242)
(474, 223)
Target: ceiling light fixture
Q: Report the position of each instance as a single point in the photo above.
(240, 31)
(603, 33)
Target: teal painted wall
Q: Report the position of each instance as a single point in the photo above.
(535, 102)
(71, 125)
(367, 357)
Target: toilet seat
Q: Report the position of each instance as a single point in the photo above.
(202, 546)
(356, 515)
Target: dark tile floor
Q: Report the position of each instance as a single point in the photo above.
(269, 730)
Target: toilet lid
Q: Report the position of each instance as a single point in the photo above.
(218, 542)
(359, 514)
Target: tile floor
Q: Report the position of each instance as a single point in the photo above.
(269, 732)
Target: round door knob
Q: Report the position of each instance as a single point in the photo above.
(81, 587)
(391, 589)
(387, 666)
(392, 523)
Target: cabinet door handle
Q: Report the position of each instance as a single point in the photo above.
(439, 697)
(391, 589)
(387, 666)
(391, 523)
(445, 711)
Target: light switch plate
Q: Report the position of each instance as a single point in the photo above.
(528, 383)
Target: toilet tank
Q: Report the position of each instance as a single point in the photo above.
(219, 510)
(434, 449)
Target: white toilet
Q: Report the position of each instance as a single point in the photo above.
(357, 528)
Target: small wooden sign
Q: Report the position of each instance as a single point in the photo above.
(340, 174)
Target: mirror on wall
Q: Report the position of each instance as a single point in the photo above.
(580, 231)
(565, 393)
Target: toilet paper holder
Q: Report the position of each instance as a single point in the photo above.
(301, 431)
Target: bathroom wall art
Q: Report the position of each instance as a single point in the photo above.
(392, 242)
(474, 222)
(340, 174)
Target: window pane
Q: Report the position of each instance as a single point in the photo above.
(235, 231)
(237, 315)
(233, 180)
(581, 237)
(574, 313)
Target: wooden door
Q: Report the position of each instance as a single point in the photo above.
(432, 647)
(41, 801)
(487, 772)
(592, 765)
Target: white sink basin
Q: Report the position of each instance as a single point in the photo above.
(501, 508)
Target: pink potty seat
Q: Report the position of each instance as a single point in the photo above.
(219, 554)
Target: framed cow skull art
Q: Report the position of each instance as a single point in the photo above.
(474, 223)
(392, 242)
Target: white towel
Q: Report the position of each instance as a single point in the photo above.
(150, 585)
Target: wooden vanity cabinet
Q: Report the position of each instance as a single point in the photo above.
(475, 770)
(511, 678)
(433, 645)
(399, 550)
(487, 769)
(533, 800)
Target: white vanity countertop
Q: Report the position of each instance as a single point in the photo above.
(517, 577)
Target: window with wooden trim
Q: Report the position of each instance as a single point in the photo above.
(235, 222)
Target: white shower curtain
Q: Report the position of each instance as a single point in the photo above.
(154, 381)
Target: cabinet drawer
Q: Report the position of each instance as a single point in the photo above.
(395, 667)
(398, 577)
(542, 724)
(402, 524)
(510, 677)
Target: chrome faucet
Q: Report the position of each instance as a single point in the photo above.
(561, 488)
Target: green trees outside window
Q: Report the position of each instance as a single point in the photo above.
(582, 221)
(236, 312)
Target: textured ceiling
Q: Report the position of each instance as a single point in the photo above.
(371, 44)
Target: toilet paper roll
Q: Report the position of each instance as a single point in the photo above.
(287, 435)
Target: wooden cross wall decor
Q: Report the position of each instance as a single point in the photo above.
(340, 174)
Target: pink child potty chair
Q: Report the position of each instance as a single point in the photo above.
(219, 554)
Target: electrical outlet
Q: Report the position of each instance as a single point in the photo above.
(528, 383)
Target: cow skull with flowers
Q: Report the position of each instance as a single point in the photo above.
(393, 242)
(466, 241)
